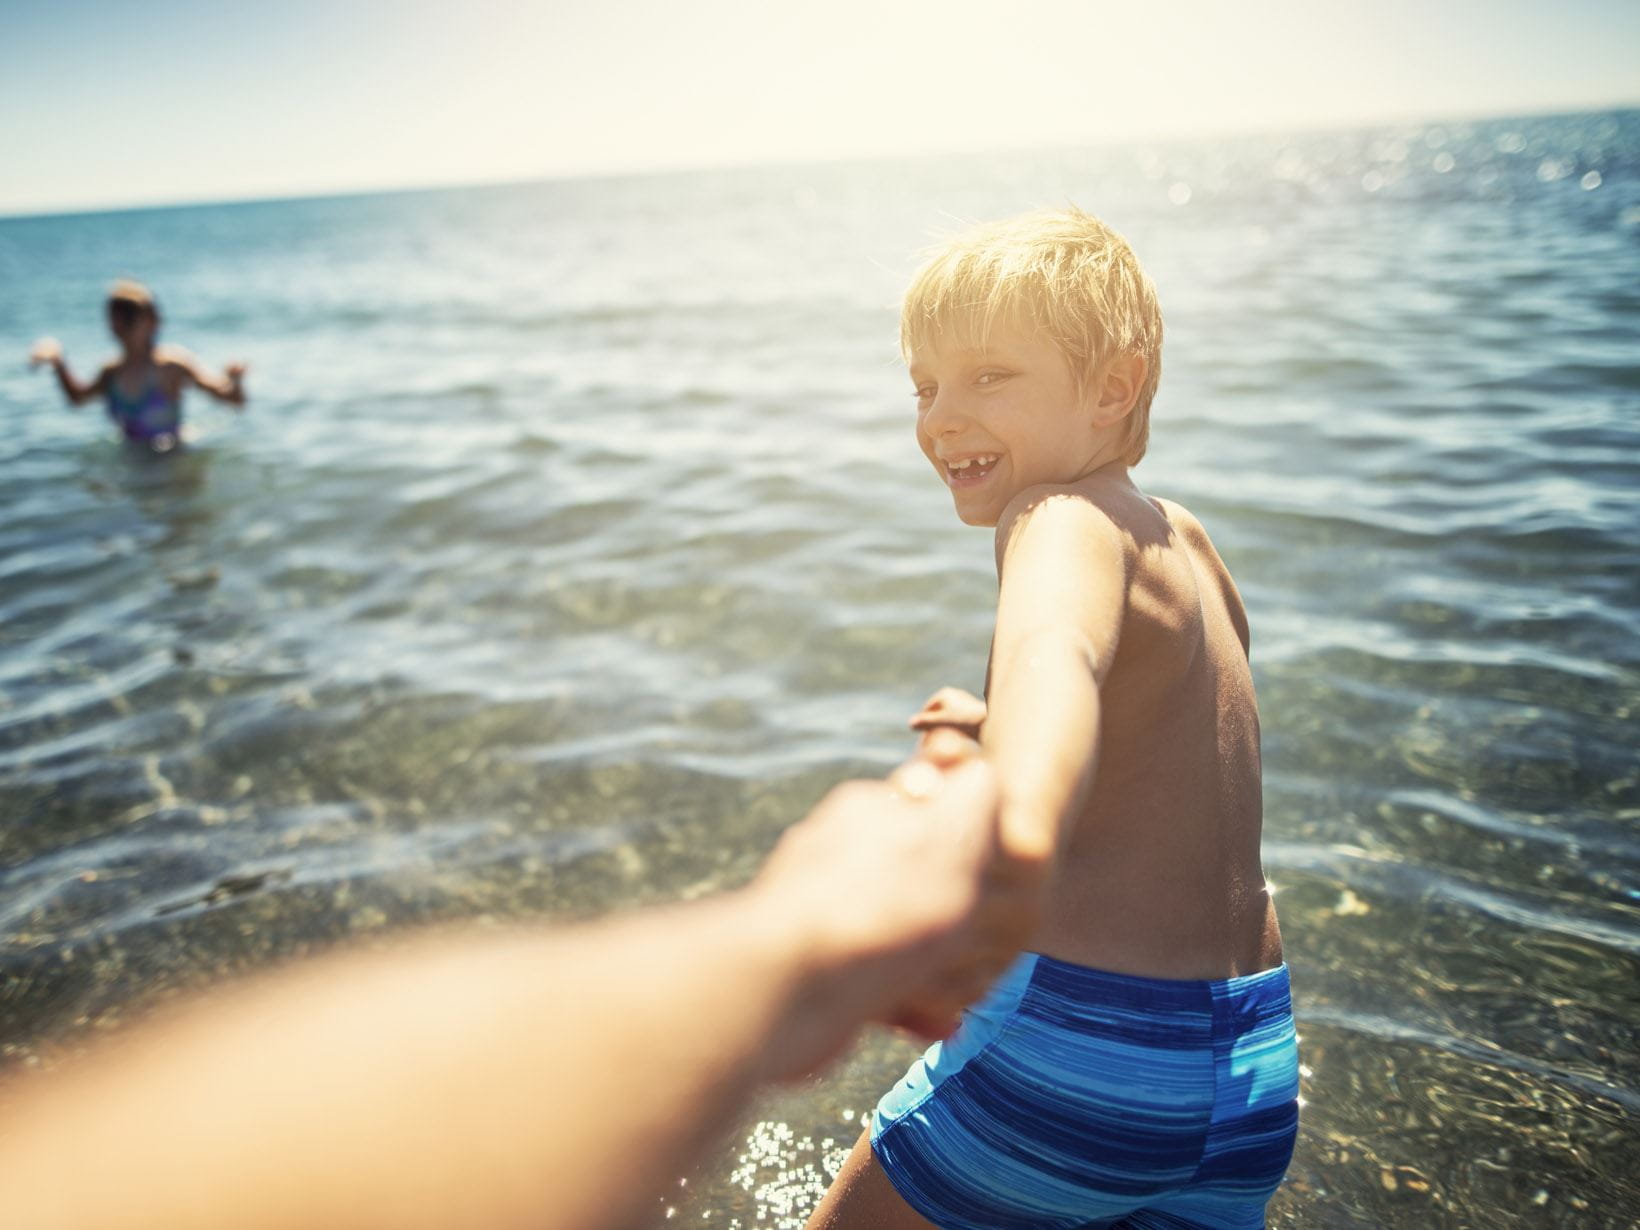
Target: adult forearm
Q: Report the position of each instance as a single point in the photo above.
(474, 1049)
(556, 1080)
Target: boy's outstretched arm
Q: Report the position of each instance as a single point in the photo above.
(49, 350)
(1063, 588)
(544, 1079)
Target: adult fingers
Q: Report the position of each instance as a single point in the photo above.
(947, 746)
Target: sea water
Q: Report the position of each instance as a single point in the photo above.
(574, 542)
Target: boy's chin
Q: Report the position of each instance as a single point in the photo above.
(977, 515)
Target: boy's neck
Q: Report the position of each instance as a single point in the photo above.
(1108, 465)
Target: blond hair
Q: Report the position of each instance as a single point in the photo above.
(1061, 271)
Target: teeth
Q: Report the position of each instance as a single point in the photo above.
(972, 461)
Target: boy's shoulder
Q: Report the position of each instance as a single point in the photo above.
(1190, 529)
(1111, 507)
(1058, 517)
(1109, 526)
(1206, 558)
(1107, 508)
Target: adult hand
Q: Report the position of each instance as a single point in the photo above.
(1005, 917)
(909, 912)
(46, 350)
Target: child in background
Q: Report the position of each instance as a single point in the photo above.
(1138, 1066)
(143, 387)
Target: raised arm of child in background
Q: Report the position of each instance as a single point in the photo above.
(48, 350)
(229, 387)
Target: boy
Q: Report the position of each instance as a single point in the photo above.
(1138, 1066)
(143, 387)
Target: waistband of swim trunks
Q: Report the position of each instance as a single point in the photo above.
(1250, 998)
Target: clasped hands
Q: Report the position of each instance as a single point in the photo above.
(914, 907)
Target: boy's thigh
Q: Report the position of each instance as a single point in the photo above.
(862, 1198)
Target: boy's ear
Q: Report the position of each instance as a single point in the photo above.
(1119, 389)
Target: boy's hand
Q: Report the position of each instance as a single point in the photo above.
(962, 711)
(46, 350)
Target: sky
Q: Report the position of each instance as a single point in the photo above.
(108, 103)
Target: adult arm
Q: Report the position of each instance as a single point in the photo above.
(557, 1079)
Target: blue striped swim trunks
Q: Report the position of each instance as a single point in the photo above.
(1071, 1097)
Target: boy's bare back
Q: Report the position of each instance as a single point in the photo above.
(1160, 873)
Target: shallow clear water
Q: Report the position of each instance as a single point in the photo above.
(575, 543)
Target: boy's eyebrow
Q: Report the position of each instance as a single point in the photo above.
(962, 354)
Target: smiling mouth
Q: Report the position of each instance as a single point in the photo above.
(971, 470)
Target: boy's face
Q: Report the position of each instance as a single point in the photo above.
(998, 418)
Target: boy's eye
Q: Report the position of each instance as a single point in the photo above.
(924, 393)
(990, 377)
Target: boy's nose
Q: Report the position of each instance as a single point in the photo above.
(944, 415)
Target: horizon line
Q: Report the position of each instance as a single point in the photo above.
(706, 167)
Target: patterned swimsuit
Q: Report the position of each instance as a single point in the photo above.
(147, 417)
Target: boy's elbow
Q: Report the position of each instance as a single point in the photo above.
(1030, 854)
(1029, 840)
